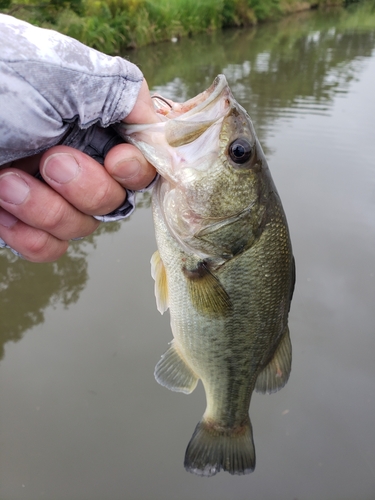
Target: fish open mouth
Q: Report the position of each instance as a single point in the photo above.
(186, 139)
(197, 120)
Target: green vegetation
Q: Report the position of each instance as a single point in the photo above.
(114, 25)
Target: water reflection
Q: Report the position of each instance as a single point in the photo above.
(27, 289)
(298, 67)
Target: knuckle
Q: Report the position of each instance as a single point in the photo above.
(38, 244)
(42, 247)
(53, 218)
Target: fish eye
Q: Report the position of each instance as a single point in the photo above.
(240, 151)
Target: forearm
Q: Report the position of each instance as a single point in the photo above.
(53, 88)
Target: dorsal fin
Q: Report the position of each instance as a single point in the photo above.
(161, 285)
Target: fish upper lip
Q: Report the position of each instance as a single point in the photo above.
(195, 105)
(183, 111)
(214, 91)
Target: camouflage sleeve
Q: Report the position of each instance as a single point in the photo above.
(55, 90)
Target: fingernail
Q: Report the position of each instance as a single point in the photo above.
(6, 219)
(13, 189)
(127, 169)
(61, 168)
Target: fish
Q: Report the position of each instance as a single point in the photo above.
(224, 268)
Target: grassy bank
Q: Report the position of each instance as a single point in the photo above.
(115, 25)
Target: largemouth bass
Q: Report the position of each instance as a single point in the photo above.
(224, 268)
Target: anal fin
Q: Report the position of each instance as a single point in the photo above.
(276, 374)
(173, 373)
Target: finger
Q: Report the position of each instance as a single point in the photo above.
(33, 244)
(129, 167)
(144, 110)
(81, 180)
(38, 206)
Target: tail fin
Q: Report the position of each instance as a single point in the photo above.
(214, 449)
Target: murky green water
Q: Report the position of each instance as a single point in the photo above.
(81, 417)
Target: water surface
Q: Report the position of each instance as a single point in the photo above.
(81, 417)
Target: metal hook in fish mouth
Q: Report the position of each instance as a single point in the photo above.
(160, 98)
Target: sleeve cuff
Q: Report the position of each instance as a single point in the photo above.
(128, 206)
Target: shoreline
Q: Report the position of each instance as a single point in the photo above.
(113, 26)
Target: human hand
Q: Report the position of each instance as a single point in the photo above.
(38, 219)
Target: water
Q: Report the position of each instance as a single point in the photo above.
(82, 417)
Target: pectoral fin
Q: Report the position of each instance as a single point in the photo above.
(161, 285)
(206, 292)
(173, 372)
(276, 374)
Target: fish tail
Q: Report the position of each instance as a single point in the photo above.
(213, 448)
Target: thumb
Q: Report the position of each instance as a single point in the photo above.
(143, 111)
